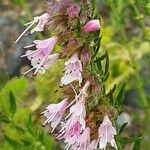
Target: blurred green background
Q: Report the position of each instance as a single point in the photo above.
(125, 35)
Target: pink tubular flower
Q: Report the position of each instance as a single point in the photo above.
(106, 134)
(73, 69)
(41, 57)
(41, 22)
(54, 113)
(83, 141)
(92, 26)
(76, 122)
(74, 10)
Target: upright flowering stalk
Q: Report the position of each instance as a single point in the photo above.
(86, 103)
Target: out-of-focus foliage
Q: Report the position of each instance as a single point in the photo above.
(20, 128)
(126, 36)
(47, 86)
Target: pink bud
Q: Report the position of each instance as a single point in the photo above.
(92, 26)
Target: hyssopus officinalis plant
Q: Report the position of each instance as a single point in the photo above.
(86, 116)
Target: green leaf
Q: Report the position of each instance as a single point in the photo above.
(4, 119)
(105, 77)
(29, 125)
(107, 64)
(123, 127)
(96, 48)
(101, 57)
(13, 107)
(119, 99)
(137, 143)
(30, 121)
(18, 86)
(26, 142)
(110, 94)
(12, 142)
(127, 140)
(19, 129)
(3, 79)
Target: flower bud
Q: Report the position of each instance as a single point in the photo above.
(91, 26)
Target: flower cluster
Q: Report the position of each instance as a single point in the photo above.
(73, 32)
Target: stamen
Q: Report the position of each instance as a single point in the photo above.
(50, 119)
(67, 146)
(59, 136)
(53, 129)
(42, 113)
(28, 54)
(22, 34)
(26, 47)
(32, 53)
(24, 73)
(68, 116)
(46, 122)
(28, 23)
(71, 103)
(73, 89)
(39, 66)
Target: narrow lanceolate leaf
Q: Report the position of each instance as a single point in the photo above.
(3, 79)
(29, 125)
(123, 127)
(107, 64)
(120, 97)
(4, 119)
(137, 144)
(101, 57)
(11, 141)
(127, 140)
(12, 103)
(105, 77)
(26, 142)
(110, 94)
